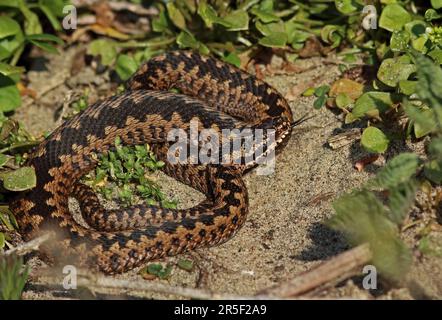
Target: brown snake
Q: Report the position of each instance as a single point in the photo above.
(214, 94)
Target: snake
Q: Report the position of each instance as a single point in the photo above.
(169, 91)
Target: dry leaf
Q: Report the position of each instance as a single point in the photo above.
(108, 31)
(312, 48)
(351, 88)
(361, 164)
(25, 91)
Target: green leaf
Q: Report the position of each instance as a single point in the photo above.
(207, 13)
(104, 48)
(374, 140)
(428, 87)
(320, 102)
(185, 264)
(431, 15)
(398, 170)
(433, 171)
(407, 87)
(8, 27)
(45, 37)
(19, 180)
(187, 40)
(435, 148)
(9, 94)
(176, 16)
(343, 100)
(372, 104)
(346, 6)
(400, 200)
(394, 17)
(332, 34)
(309, 92)
(32, 23)
(3, 159)
(55, 6)
(416, 28)
(270, 28)
(274, 40)
(2, 240)
(125, 66)
(322, 90)
(11, 38)
(10, 3)
(363, 219)
(160, 23)
(45, 46)
(40, 40)
(233, 59)
(158, 270)
(8, 70)
(6, 218)
(296, 37)
(394, 70)
(436, 4)
(436, 55)
(399, 40)
(264, 16)
(423, 119)
(235, 21)
(50, 15)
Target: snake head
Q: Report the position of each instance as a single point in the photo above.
(281, 125)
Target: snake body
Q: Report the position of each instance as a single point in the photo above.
(214, 94)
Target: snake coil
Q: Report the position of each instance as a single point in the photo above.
(212, 93)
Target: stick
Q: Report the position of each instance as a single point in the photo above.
(29, 246)
(149, 286)
(99, 283)
(327, 271)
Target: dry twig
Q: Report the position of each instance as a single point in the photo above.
(29, 246)
(335, 268)
(96, 282)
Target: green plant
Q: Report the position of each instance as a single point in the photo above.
(14, 140)
(157, 270)
(13, 276)
(228, 30)
(126, 168)
(363, 217)
(81, 103)
(20, 25)
(232, 30)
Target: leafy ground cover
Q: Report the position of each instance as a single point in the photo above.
(394, 96)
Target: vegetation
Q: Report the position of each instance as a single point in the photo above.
(126, 168)
(13, 277)
(404, 50)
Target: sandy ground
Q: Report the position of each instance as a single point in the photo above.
(283, 235)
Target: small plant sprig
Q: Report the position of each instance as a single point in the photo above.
(81, 103)
(13, 276)
(126, 167)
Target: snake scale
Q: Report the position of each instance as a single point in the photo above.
(213, 93)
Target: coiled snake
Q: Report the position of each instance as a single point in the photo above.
(214, 94)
